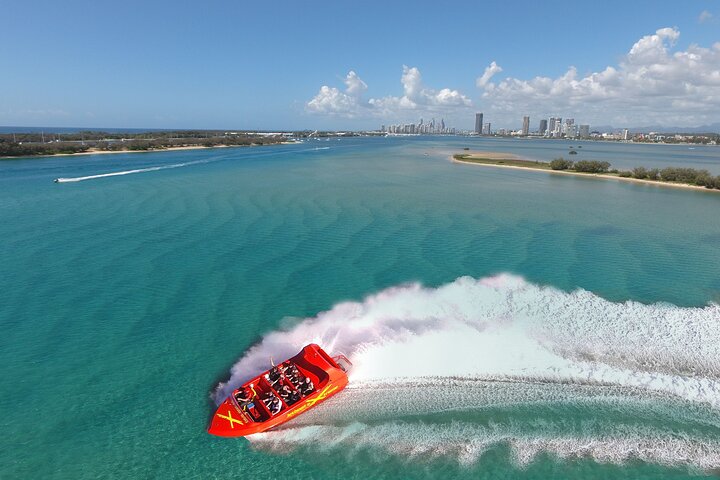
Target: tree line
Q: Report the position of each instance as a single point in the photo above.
(16, 149)
(691, 176)
(29, 144)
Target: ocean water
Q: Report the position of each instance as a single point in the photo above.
(503, 323)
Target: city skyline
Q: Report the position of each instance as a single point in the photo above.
(646, 63)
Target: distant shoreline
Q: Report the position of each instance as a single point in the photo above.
(92, 151)
(494, 159)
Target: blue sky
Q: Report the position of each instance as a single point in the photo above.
(218, 64)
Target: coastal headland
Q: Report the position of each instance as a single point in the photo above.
(509, 160)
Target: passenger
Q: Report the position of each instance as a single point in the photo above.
(285, 393)
(274, 374)
(306, 387)
(294, 397)
(273, 377)
(292, 376)
(290, 369)
(272, 403)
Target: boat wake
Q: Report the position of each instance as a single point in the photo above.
(130, 172)
(456, 369)
(175, 165)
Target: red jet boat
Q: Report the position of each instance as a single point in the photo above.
(281, 393)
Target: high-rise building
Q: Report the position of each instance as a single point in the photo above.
(543, 126)
(486, 129)
(626, 134)
(551, 126)
(478, 123)
(584, 131)
(526, 125)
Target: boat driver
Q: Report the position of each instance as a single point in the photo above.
(244, 396)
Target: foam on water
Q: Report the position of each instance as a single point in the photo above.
(468, 442)
(530, 344)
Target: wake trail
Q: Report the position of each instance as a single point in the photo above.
(175, 165)
(474, 345)
(130, 172)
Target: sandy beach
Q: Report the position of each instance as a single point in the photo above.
(510, 156)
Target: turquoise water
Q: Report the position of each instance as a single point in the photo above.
(581, 343)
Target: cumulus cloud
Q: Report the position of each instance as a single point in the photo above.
(650, 84)
(331, 100)
(490, 71)
(416, 96)
(355, 85)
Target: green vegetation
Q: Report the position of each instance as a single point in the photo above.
(582, 166)
(688, 176)
(505, 161)
(12, 149)
(561, 164)
(591, 166)
(30, 144)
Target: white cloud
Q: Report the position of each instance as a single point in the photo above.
(653, 83)
(490, 71)
(705, 16)
(416, 96)
(330, 100)
(650, 85)
(355, 86)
